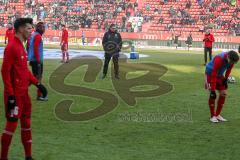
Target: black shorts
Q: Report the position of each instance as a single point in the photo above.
(36, 70)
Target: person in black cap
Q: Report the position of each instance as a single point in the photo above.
(112, 44)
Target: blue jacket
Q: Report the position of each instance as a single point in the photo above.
(224, 67)
(31, 55)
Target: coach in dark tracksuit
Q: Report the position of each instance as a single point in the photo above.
(112, 44)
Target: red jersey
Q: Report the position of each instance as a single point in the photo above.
(208, 40)
(9, 35)
(15, 73)
(218, 64)
(64, 36)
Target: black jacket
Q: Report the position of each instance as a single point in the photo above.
(113, 37)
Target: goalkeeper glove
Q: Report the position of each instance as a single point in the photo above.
(43, 90)
(11, 103)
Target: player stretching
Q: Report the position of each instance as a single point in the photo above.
(64, 44)
(215, 80)
(16, 79)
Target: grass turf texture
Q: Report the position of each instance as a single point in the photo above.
(109, 138)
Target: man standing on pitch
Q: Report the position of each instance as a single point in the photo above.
(16, 79)
(64, 44)
(83, 38)
(189, 40)
(215, 79)
(35, 55)
(208, 43)
(112, 44)
(9, 36)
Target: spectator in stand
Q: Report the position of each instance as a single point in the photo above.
(135, 6)
(124, 19)
(161, 20)
(58, 12)
(162, 2)
(139, 25)
(188, 4)
(170, 27)
(155, 11)
(172, 11)
(201, 29)
(200, 2)
(148, 7)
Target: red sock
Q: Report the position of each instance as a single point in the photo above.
(26, 136)
(221, 101)
(211, 103)
(7, 138)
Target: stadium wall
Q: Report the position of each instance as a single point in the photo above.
(141, 39)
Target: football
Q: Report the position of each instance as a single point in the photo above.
(231, 79)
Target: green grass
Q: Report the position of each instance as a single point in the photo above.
(110, 138)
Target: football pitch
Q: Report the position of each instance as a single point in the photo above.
(170, 125)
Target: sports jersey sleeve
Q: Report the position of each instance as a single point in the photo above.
(32, 79)
(7, 65)
(216, 66)
(64, 37)
(211, 38)
(228, 71)
(37, 41)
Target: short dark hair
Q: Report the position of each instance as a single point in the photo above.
(233, 56)
(113, 25)
(22, 22)
(39, 24)
(239, 49)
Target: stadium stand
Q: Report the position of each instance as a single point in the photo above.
(152, 16)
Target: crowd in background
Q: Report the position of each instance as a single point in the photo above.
(101, 12)
(75, 16)
(209, 15)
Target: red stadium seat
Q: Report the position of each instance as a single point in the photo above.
(195, 11)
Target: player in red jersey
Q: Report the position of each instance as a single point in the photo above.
(9, 33)
(217, 73)
(208, 44)
(17, 78)
(35, 54)
(64, 44)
